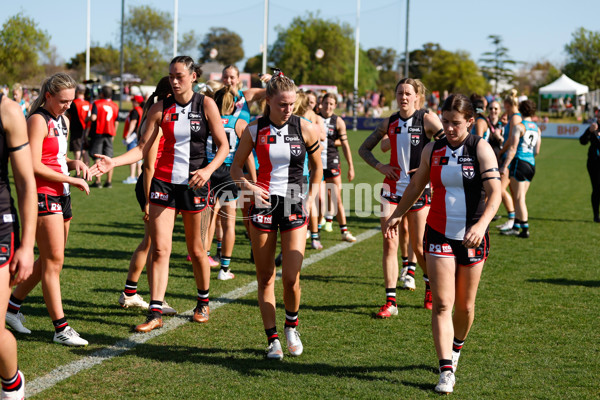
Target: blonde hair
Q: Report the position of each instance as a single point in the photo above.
(511, 98)
(301, 105)
(225, 99)
(52, 85)
(278, 83)
(421, 90)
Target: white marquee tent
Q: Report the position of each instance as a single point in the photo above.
(563, 86)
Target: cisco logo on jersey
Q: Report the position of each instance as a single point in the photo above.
(262, 219)
(159, 196)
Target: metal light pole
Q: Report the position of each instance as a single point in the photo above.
(406, 55)
(87, 43)
(265, 35)
(122, 61)
(356, 53)
(175, 17)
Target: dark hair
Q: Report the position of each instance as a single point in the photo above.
(417, 85)
(329, 96)
(527, 108)
(190, 65)
(162, 91)
(459, 103)
(107, 92)
(478, 103)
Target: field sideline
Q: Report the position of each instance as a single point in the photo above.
(535, 333)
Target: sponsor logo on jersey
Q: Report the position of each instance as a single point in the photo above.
(173, 117)
(465, 159)
(4, 248)
(474, 253)
(441, 249)
(199, 200)
(55, 207)
(195, 126)
(263, 219)
(295, 149)
(440, 160)
(271, 139)
(290, 139)
(415, 129)
(7, 218)
(468, 171)
(397, 130)
(224, 121)
(193, 115)
(415, 139)
(292, 217)
(159, 196)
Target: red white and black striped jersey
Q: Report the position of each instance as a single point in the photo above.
(458, 198)
(330, 157)
(54, 153)
(407, 140)
(280, 151)
(185, 130)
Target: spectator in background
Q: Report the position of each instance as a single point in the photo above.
(77, 114)
(592, 136)
(18, 97)
(104, 128)
(130, 136)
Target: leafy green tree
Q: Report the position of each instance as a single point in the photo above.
(254, 65)
(496, 62)
(103, 60)
(22, 44)
(188, 45)
(441, 70)
(583, 55)
(385, 61)
(147, 37)
(227, 43)
(294, 51)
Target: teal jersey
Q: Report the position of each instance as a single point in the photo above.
(305, 170)
(528, 142)
(507, 128)
(486, 134)
(229, 122)
(241, 107)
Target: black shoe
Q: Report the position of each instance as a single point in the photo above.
(108, 185)
(596, 219)
(496, 218)
(278, 260)
(524, 235)
(96, 185)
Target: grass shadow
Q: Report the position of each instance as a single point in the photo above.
(566, 282)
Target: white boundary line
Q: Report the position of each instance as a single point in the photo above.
(66, 371)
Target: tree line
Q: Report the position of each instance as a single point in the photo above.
(311, 50)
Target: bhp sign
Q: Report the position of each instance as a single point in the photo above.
(572, 131)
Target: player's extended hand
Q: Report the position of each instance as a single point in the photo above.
(390, 228)
(81, 170)
(198, 178)
(102, 166)
(21, 265)
(80, 184)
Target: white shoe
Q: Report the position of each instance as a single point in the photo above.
(507, 225)
(15, 321)
(455, 357)
(409, 283)
(17, 394)
(132, 301)
(130, 180)
(446, 383)
(307, 234)
(274, 351)
(294, 344)
(347, 237)
(225, 275)
(167, 309)
(69, 337)
(403, 273)
(328, 227)
(509, 232)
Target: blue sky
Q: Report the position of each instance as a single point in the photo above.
(532, 29)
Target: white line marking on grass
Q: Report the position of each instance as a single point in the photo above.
(66, 371)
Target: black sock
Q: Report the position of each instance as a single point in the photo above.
(457, 345)
(343, 229)
(390, 295)
(14, 305)
(404, 262)
(517, 224)
(155, 308)
(13, 384)
(219, 244)
(291, 319)
(271, 334)
(525, 226)
(60, 324)
(411, 268)
(130, 288)
(426, 279)
(446, 365)
(202, 298)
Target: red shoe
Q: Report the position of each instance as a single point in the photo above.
(428, 303)
(188, 258)
(387, 310)
(212, 262)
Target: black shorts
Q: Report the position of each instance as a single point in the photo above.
(50, 205)
(9, 242)
(102, 144)
(521, 170)
(437, 244)
(139, 192)
(283, 214)
(76, 143)
(179, 197)
(422, 202)
(222, 186)
(332, 172)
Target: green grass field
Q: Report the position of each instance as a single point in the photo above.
(535, 334)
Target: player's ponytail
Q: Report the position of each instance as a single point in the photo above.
(225, 99)
(511, 98)
(52, 85)
(278, 83)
